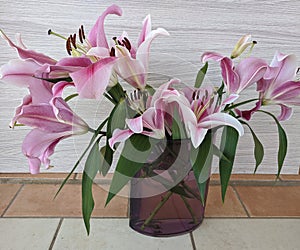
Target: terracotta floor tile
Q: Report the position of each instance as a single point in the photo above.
(246, 177)
(7, 192)
(118, 206)
(277, 201)
(36, 176)
(98, 176)
(253, 177)
(231, 207)
(290, 177)
(37, 200)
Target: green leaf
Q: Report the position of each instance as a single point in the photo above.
(201, 158)
(201, 75)
(117, 117)
(258, 147)
(117, 93)
(178, 131)
(75, 166)
(228, 146)
(90, 170)
(220, 94)
(116, 120)
(106, 160)
(150, 89)
(82, 155)
(141, 142)
(217, 152)
(282, 150)
(55, 80)
(129, 163)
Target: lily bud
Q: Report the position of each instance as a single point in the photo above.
(241, 45)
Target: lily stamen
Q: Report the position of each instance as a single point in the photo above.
(82, 32)
(68, 46)
(73, 40)
(50, 32)
(127, 44)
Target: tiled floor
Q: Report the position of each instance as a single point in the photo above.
(259, 213)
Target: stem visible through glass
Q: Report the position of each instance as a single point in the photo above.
(159, 206)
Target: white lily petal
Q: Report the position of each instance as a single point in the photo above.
(219, 119)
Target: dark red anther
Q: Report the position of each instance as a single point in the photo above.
(73, 40)
(68, 46)
(82, 31)
(194, 95)
(120, 43)
(127, 44)
(112, 52)
(80, 35)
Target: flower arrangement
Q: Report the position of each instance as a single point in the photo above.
(146, 117)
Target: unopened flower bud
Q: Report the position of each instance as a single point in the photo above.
(241, 45)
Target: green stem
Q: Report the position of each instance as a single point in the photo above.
(239, 104)
(188, 206)
(159, 206)
(190, 190)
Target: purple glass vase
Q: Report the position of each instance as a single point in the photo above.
(165, 200)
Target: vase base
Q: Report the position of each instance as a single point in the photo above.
(165, 228)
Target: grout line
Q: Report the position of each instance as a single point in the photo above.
(193, 241)
(12, 200)
(56, 233)
(242, 203)
(74, 180)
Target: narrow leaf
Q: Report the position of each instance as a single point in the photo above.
(55, 80)
(90, 170)
(177, 126)
(116, 120)
(117, 117)
(217, 152)
(258, 147)
(81, 157)
(201, 158)
(200, 76)
(141, 142)
(105, 163)
(129, 163)
(75, 166)
(282, 150)
(228, 146)
(117, 93)
(150, 89)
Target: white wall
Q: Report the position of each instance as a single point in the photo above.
(195, 26)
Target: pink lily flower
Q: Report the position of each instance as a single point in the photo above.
(150, 123)
(25, 53)
(207, 115)
(168, 99)
(237, 78)
(52, 123)
(28, 71)
(132, 63)
(153, 121)
(277, 85)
